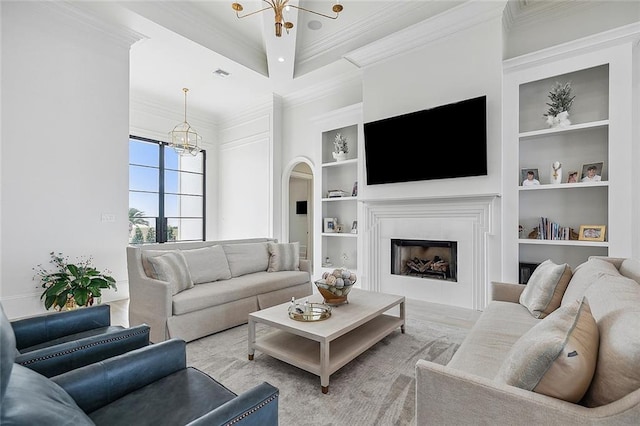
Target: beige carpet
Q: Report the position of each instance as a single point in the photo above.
(377, 388)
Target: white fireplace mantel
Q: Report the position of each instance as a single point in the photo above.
(468, 220)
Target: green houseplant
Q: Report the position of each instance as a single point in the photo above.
(72, 283)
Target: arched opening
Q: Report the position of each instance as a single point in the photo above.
(297, 224)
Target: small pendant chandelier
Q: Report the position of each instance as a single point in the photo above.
(183, 138)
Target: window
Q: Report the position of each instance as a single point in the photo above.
(166, 193)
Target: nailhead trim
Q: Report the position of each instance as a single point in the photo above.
(253, 410)
(78, 348)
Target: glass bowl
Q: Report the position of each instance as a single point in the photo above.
(335, 286)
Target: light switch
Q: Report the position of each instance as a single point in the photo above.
(108, 217)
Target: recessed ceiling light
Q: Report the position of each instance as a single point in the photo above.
(280, 59)
(314, 25)
(221, 73)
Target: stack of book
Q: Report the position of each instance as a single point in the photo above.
(552, 231)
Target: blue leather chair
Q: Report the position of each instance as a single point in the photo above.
(56, 342)
(147, 386)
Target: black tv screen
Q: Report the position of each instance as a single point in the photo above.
(447, 141)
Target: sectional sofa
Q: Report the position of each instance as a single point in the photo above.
(564, 349)
(189, 290)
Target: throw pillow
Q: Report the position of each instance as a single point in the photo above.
(247, 258)
(207, 264)
(171, 267)
(544, 291)
(586, 274)
(615, 303)
(557, 356)
(284, 257)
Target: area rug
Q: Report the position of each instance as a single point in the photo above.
(377, 388)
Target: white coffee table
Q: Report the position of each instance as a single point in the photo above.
(323, 347)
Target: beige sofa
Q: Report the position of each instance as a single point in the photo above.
(471, 390)
(192, 289)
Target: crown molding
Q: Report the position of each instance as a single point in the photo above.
(340, 40)
(325, 88)
(418, 35)
(525, 12)
(626, 34)
(84, 18)
(218, 38)
(199, 119)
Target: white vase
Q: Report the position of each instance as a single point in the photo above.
(339, 156)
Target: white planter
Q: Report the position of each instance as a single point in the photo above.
(561, 120)
(339, 156)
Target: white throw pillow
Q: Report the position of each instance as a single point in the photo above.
(544, 291)
(172, 268)
(556, 357)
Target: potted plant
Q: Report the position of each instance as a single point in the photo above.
(72, 284)
(561, 101)
(340, 148)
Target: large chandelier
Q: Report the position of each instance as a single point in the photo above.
(183, 138)
(278, 7)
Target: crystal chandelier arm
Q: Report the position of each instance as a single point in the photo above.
(318, 13)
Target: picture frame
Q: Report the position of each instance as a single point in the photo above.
(525, 172)
(585, 171)
(354, 227)
(592, 232)
(572, 176)
(526, 269)
(330, 224)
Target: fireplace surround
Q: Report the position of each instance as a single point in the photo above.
(468, 221)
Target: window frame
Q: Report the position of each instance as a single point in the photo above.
(161, 221)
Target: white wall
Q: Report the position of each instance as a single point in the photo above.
(465, 65)
(65, 89)
(245, 175)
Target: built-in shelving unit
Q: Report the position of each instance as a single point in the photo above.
(599, 133)
(341, 246)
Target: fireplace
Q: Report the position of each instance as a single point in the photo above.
(425, 259)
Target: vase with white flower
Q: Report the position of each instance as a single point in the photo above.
(340, 148)
(561, 101)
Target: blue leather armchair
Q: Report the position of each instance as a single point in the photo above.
(147, 386)
(56, 342)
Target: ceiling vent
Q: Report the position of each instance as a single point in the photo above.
(221, 73)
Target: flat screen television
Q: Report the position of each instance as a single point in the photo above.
(447, 141)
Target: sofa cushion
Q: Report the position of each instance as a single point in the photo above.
(146, 254)
(615, 303)
(217, 293)
(283, 257)
(172, 268)
(586, 274)
(545, 288)
(557, 357)
(491, 337)
(207, 264)
(246, 258)
(48, 404)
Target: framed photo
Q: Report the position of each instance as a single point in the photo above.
(591, 233)
(572, 177)
(591, 172)
(354, 227)
(330, 224)
(529, 177)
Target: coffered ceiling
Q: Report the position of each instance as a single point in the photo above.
(184, 43)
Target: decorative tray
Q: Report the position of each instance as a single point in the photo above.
(309, 311)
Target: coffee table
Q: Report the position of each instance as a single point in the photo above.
(323, 347)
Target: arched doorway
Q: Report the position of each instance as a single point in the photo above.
(298, 205)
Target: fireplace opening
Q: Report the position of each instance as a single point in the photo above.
(425, 259)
